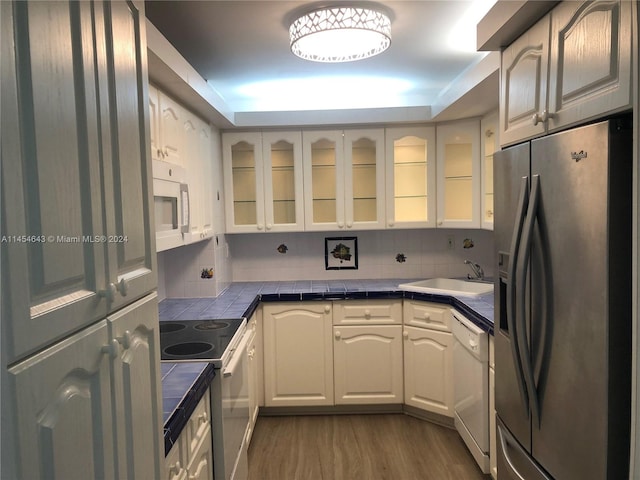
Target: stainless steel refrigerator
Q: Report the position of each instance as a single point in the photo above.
(563, 218)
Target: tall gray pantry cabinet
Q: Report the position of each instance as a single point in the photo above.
(80, 343)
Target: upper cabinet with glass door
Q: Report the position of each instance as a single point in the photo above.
(410, 177)
(459, 174)
(490, 144)
(263, 181)
(344, 179)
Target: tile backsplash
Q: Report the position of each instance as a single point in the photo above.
(420, 253)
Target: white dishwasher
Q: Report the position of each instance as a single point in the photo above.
(471, 387)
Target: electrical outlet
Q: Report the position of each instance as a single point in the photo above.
(451, 244)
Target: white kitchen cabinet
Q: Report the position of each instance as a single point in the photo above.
(410, 177)
(490, 143)
(343, 179)
(79, 331)
(574, 65)
(91, 403)
(428, 370)
(263, 181)
(367, 351)
(458, 174)
(154, 123)
(368, 364)
(298, 354)
(171, 142)
(78, 198)
(192, 456)
(199, 177)
(428, 357)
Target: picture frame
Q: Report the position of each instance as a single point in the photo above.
(341, 253)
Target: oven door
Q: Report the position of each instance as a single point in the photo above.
(235, 412)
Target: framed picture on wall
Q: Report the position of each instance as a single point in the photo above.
(341, 253)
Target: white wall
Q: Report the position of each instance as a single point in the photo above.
(254, 257)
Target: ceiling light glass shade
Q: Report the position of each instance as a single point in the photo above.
(340, 34)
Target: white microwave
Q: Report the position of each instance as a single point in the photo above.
(171, 205)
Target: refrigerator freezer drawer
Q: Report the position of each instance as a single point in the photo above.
(513, 462)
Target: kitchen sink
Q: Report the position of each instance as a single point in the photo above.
(449, 286)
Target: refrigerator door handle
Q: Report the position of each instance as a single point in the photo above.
(512, 297)
(521, 275)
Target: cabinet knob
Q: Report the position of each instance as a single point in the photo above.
(538, 118)
(123, 287)
(112, 348)
(440, 222)
(340, 225)
(367, 313)
(327, 309)
(427, 317)
(405, 334)
(269, 226)
(125, 339)
(260, 226)
(109, 293)
(337, 334)
(489, 213)
(390, 222)
(349, 224)
(203, 418)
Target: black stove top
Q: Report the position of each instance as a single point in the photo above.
(203, 340)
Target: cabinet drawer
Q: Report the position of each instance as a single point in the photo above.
(198, 427)
(427, 315)
(367, 312)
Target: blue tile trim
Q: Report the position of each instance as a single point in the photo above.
(193, 392)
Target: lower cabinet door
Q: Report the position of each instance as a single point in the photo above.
(298, 354)
(368, 364)
(60, 402)
(428, 370)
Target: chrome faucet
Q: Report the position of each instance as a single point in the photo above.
(477, 270)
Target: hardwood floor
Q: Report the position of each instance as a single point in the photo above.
(358, 447)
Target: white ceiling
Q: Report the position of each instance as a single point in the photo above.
(242, 49)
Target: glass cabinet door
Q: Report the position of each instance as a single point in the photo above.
(410, 179)
(282, 155)
(243, 172)
(323, 180)
(490, 143)
(364, 178)
(459, 174)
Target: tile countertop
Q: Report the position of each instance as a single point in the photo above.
(183, 384)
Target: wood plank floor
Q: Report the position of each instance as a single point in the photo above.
(358, 447)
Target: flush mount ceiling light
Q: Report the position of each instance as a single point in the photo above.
(340, 34)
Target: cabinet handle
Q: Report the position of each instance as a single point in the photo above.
(340, 225)
(269, 226)
(260, 226)
(203, 418)
(327, 309)
(489, 213)
(440, 222)
(125, 339)
(337, 334)
(175, 469)
(349, 224)
(537, 118)
(166, 152)
(109, 293)
(123, 287)
(405, 334)
(390, 222)
(427, 317)
(367, 313)
(112, 348)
